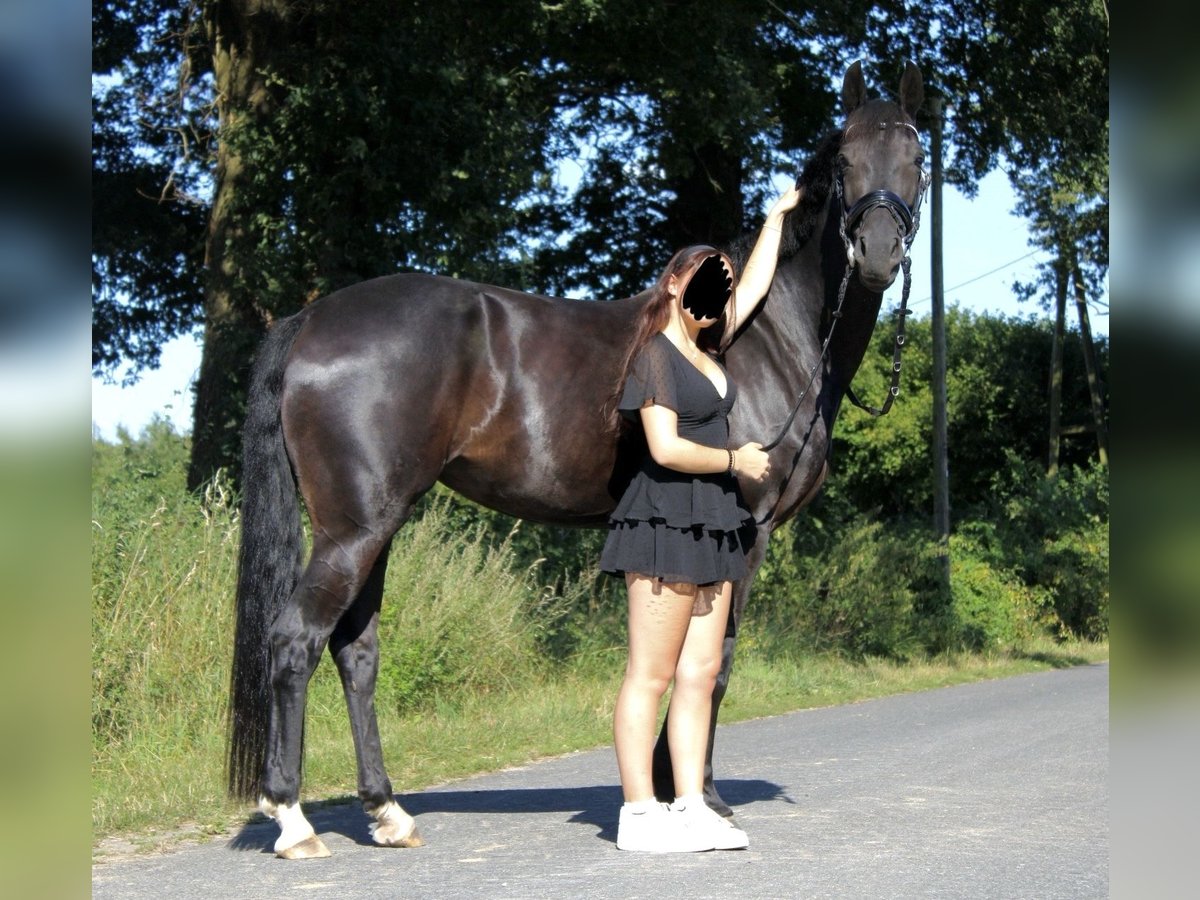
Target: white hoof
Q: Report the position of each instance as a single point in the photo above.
(394, 827)
(309, 848)
(297, 839)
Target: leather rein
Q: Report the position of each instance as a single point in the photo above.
(908, 218)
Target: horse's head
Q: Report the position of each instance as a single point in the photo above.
(881, 176)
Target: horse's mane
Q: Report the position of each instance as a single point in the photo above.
(816, 179)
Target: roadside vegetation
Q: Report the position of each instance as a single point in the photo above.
(502, 644)
(230, 145)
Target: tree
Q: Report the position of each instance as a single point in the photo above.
(1056, 144)
(1027, 89)
(413, 136)
(353, 142)
(996, 376)
(148, 222)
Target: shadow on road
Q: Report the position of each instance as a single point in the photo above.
(595, 805)
(1056, 660)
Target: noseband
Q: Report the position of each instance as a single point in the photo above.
(908, 219)
(893, 203)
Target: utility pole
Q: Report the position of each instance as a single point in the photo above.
(941, 466)
(1089, 360)
(1056, 365)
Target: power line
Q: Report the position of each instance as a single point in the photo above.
(999, 268)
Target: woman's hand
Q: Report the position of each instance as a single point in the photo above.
(786, 202)
(751, 461)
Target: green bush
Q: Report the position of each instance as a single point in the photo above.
(459, 616)
(475, 603)
(161, 614)
(867, 591)
(997, 410)
(1075, 568)
(1054, 532)
(161, 644)
(588, 606)
(1032, 561)
(861, 590)
(990, 607)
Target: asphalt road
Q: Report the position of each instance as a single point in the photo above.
(996, 789)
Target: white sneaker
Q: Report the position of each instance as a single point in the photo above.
(659, 830)
(720, 833)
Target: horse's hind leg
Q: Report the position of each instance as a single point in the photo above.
(354, 646)
(336, 573)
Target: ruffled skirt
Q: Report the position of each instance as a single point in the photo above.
(676, 555)
(679, 528)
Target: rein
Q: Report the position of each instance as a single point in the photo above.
(909, 219)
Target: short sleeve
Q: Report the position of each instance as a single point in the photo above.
(651, 380)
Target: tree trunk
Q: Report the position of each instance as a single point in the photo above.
(1089, 361)
(244, 36)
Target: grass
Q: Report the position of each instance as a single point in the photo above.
(485, 665)
(172, 780)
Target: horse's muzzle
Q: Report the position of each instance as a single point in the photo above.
(881, 223)
(877, 251)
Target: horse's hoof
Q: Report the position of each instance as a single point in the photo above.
(310, 848)
(390, 836)
(412, 839)
(393, 827)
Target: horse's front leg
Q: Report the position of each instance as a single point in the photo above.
(663, 773)
(297, 637)
(354, 647)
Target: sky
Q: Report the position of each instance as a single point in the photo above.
(985, 250)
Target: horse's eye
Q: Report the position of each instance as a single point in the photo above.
(921, 159)
(842, 162)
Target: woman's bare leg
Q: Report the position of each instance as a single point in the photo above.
(659, 617)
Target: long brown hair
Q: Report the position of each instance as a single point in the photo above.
(654, 316)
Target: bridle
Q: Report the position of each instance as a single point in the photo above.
(908, 218)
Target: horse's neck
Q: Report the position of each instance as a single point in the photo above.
(854, 328)
(796, 316)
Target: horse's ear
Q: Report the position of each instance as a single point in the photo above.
(912, 90)
(854, 88)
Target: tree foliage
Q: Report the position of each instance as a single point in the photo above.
(857, 572)
(148, 218)
(997, 375)
(1027, 87)
(252, 155)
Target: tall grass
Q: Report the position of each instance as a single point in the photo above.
(458, 622)
(488, 656)
(161, 638)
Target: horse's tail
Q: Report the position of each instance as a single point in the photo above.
(269, 563)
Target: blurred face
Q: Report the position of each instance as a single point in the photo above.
(704, 294)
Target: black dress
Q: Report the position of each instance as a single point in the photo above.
(672, 525)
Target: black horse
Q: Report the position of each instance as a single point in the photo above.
(366, 398)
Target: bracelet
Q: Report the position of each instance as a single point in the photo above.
(731, 459)
(772, 228)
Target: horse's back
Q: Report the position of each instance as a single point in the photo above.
(420, 315)
(404, 380)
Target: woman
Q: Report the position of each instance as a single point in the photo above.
(674, 534)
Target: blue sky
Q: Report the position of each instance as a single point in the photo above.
(986, 250)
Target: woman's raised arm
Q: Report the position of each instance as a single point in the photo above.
(760, 267)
